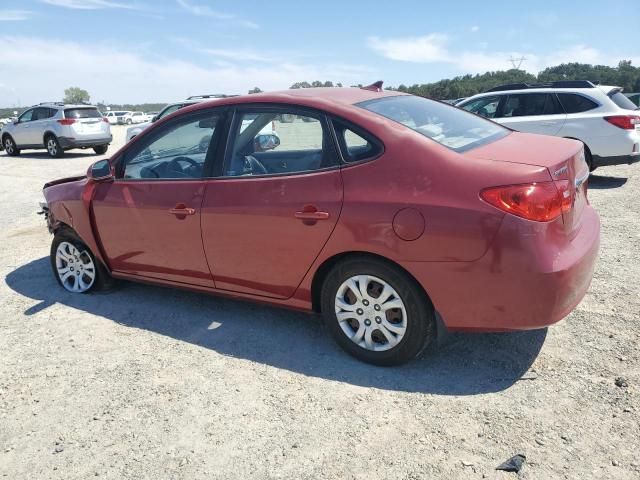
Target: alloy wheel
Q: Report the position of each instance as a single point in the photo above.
(52, 146)
(371, 313)
(75, 268)
(8, 146)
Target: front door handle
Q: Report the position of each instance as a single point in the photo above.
(182, 209)
(311, 213)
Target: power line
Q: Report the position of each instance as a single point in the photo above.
(517, 62)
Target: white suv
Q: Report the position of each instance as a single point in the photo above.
(57, 127)
(135, 117)
(601, 117)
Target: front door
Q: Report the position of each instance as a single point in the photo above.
(266, 219)
(148, 219)
(22, 132)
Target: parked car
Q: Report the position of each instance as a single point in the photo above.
(135, 117)
(57, 127)
(169, 109)
(601, 117)
(115, 117)
(387, 212)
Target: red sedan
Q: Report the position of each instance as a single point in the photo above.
(386, 212)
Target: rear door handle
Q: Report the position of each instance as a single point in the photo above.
(182, 209)
(311, 213)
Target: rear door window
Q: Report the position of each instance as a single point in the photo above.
(82, 113)
(265, 145)
(531, 104)
(574, 103)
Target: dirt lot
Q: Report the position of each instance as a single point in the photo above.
(145, 382)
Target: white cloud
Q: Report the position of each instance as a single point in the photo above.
(14, 15)
(206, 11)
(426, 49)
(88, 4)
(434, 48)
(475, 29)
(117, 75)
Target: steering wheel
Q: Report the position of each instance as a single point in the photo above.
(175, 167)
(253, 165)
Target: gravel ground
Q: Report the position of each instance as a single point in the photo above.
(146, 382)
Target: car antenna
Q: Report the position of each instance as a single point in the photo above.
(374, 87)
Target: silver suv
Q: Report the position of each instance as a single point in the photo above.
(57, 127)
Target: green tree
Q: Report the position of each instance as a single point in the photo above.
(76, 95)
(255, 90)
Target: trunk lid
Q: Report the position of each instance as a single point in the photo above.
(563, 158)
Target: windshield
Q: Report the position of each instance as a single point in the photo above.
(622, 101)
(449, 126)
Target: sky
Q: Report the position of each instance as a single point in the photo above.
(137, 51)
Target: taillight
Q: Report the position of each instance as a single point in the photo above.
(540, 202)
(626, 122)
(67, 121)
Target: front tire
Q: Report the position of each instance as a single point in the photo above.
(10, 146)
(129, 121)
(101, 149)
(376, 312)
(74, 265)
(53, 147)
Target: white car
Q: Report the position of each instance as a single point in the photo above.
(601, 117)
(113, 117)
(135, 117)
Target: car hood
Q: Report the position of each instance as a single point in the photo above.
(63, 180)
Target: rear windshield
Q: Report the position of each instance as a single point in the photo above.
(82, 113)
(623, 101)
(452, 127)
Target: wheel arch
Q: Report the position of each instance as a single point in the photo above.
(323, 270)
(45, 135)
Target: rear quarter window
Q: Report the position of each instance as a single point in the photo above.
(82, 113)
(623, 101)
(452, 127)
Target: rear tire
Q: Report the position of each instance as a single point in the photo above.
(10, 146)
(589, 159)
(101, 149)
(54, 149)
(377, 312)
(75, 267)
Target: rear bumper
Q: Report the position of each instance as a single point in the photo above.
(68, 143)
(615, 160)
(523, 282)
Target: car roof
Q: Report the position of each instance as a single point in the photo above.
(321, 97)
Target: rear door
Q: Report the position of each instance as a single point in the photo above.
(276, 201)
(533, 113)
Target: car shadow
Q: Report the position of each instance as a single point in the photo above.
(43, 155)
(463, 364)
(602, 182)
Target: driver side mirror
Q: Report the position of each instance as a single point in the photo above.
(265, 142)
(100, 171)
(154, 118)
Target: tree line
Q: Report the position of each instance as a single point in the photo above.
(623, 75)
